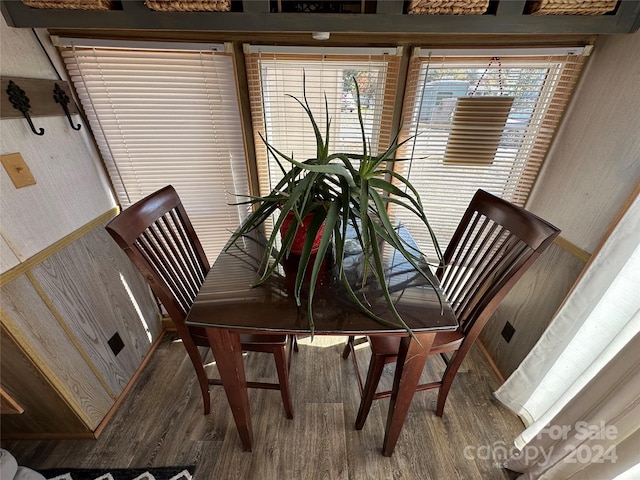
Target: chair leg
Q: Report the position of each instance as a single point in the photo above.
(453, 365)
(448, 378)
(204, 388)
(283, 377)
(203, 381)
(348, 346)
(373, 377)
(292, 346)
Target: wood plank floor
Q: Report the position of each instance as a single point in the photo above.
(161, 423)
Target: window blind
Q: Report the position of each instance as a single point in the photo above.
(456, 144)
(167, 116)
(273, 75)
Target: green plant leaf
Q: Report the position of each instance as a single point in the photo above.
(330, 187)
(325, 241)
(377, 257)
(314, 226)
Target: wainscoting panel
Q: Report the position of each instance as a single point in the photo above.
(85, 283)
(44, 410)
(530, 306)
(42, 336)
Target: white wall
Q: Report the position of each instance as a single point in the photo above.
(594, 163)
(71, 188)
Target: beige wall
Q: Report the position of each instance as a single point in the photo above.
(590, 171)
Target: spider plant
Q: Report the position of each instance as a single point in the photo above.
(339, 189)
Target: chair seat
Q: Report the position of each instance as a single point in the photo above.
(388, 346)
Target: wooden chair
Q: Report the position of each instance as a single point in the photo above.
(492, 247)
(159, 238)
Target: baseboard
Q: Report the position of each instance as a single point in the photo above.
(492, 364)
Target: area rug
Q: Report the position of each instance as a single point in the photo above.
(164, 473)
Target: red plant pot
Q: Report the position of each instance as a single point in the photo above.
(301, 233)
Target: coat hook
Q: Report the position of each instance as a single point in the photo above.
(20, 102)
(62, 98)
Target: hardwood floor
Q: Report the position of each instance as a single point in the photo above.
(161, 423)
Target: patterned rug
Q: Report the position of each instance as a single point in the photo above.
(164, 473)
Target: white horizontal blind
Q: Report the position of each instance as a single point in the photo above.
(165, 117)
(284, 123)
(539, 86)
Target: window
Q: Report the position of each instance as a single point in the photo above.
(526, 91)
(167, 114)
(277, 73)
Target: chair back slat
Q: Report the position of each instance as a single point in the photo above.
(467, 258)
(186, 247)
(175, 256)
(496, 281)
(158, 237)
(489, 276)
(493, 245)
(467, 295)
(148, 248)
(151, 247)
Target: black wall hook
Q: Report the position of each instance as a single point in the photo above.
(20, 101)
(62, 98)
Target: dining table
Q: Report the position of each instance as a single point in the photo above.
(232, 301)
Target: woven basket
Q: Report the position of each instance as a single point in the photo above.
(189, 5)
(571, 7)
(70, 4)
(447, 7)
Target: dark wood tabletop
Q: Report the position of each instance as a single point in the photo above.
(231, 303)
(229, 298)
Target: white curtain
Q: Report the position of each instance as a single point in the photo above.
(597, 435)
(591, 329)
